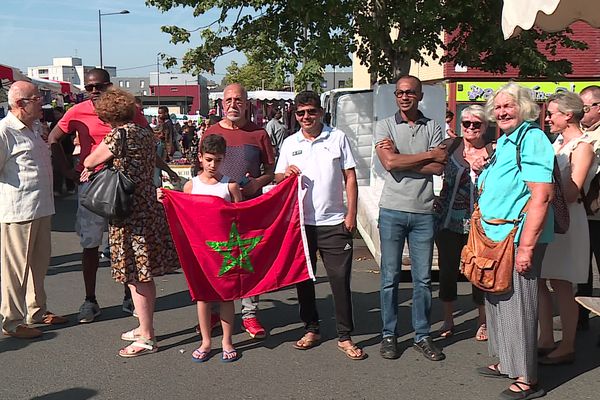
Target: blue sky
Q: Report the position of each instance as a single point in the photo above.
(32, 32)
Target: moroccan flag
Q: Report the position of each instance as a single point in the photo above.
(229, 251)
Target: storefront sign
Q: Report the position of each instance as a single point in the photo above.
(481, 91)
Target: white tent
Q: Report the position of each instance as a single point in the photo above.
(549, 15)
(259, 95)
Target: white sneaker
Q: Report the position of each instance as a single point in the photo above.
(88, 312)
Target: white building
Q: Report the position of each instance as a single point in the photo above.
(66, 69)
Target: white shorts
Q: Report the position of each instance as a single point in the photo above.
(89, 226)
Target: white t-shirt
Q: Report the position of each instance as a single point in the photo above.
(321, 162)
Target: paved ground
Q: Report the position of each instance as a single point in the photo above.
(81, 362)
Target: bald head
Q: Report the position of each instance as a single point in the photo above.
(591, 106)
(20, 90)
(237, 88)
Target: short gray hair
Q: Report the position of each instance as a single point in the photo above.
(476, 111)
(568, 102)
(594, 90)
(528, 109)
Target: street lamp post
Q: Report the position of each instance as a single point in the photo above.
(157, 89)
(100, 15)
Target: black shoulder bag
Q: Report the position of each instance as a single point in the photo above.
(110, 192)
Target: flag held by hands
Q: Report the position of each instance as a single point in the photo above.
(234, 250)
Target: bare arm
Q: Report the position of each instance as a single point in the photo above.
(352, 195)
(581, 161)
(541, 195)
(255, 184)
(391, 160)
(59, 158)
(432, 168)
(235, 192)
(163, 166)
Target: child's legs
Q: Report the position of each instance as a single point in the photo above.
(204, 322)
(227, 313)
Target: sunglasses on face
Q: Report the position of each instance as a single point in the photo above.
(90, 87)
(588, 107)
(310, 111)
(410, 93)
(468, 124)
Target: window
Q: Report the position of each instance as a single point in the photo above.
(42, 71)
(120, 83)
(142, 84)
(341, 84)
(126, 83)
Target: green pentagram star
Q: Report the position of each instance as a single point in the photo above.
(235, 244)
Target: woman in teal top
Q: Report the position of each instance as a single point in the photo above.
(512, 317)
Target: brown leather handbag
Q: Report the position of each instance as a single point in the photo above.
(487, 264)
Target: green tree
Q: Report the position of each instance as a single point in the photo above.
(256, 74)
(304, 36)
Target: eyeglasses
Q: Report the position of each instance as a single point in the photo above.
(310, 111)
(588, 107)
(410, 93)
(32, 98)
(468, 124)
(90, 87)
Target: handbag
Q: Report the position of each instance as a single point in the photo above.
(110, 192)
(488, 264)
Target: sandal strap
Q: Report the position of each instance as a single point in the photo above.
(144, 343)
(519, 385)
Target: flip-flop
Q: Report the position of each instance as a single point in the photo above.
(306, 342)
(225, 359)
(199, 356)
(130, 336)
(351, 351)
(491, 372)
(148, 346)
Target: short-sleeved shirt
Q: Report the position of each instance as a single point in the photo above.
(505, 190)
(248, 148)
(321, 161)
(82, 118)
(405, 190)
(25, 172)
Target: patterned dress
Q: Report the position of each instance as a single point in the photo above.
(141, 245)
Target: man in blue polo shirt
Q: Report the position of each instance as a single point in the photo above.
(322, 155)
(407, 146)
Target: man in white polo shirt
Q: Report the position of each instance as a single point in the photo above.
(322, 156)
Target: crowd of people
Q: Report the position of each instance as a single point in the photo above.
(510, 183)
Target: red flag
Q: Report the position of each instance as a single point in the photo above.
(234, 250)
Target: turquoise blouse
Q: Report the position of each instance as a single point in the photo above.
(505, 190)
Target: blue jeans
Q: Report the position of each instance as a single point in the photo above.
(394, 228)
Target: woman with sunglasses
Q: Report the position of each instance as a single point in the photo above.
(453, 208)
(567, 257)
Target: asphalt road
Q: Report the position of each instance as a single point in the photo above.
(80, 361)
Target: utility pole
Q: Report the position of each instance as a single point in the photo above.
(157, 89)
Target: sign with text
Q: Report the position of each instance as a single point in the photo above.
(481, 91)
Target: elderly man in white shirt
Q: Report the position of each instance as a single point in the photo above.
(26, 208)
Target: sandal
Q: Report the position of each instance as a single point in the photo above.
(481, 335)
(147, 346)
(351, 350)
(229, 356)
(130, 336)
(307, 342)
(493, 372)
(446, 331)
(523, 394)
(199, 356)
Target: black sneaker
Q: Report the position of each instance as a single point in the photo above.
(389, 348)
(429, 350)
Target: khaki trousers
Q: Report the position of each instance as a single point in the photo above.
(24, 259)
